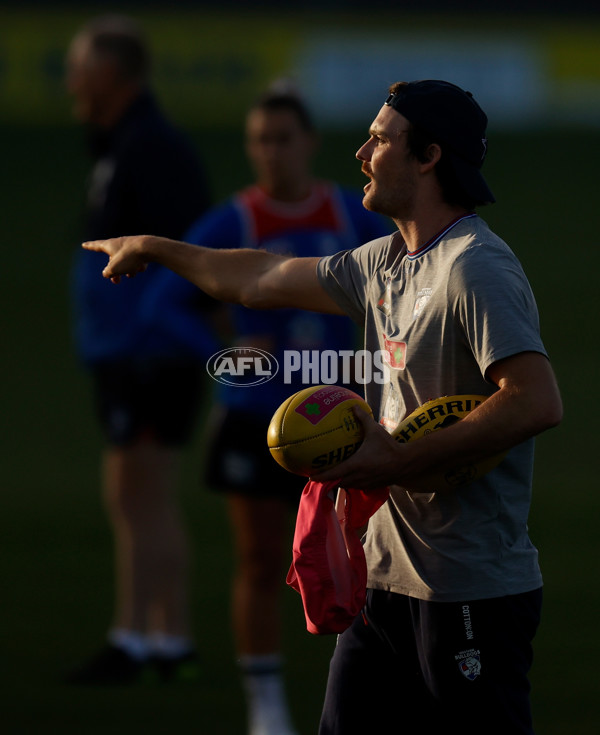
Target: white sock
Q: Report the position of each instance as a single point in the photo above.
(165, 645)
(268, 712)
(134, 643)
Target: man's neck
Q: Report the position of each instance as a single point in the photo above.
(420, 229)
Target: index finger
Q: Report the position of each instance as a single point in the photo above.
(96, 245)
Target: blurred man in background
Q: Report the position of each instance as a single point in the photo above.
(145, 178)
(286, 211)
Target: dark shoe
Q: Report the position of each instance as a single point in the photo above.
(181, 669)
(111, 666)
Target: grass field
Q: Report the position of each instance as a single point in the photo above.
(55, 563)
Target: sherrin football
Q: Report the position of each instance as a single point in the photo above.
(438, 414)
(315, 429)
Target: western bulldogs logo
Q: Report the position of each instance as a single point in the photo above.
(422, 299)
(469, 664)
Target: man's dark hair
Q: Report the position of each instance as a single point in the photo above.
(418, 141)
(286, 101)
(121, 39)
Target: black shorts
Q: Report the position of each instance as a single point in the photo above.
(153, 398)
(238, 459)
(408, 665)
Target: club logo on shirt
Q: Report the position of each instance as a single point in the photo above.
(469, 663)
(422, 298)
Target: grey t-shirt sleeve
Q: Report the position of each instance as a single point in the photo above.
(346, 276)
(494, 302)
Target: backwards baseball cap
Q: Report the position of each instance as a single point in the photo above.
(455, 121)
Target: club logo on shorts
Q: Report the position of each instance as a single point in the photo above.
(469, 663)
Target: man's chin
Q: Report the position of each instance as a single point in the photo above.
(369, 203)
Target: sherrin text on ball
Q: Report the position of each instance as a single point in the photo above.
(438, 414)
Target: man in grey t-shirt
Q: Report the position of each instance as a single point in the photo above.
(454, 585)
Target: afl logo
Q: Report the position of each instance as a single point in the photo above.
(242, 367)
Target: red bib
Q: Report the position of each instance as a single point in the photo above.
(328, 568)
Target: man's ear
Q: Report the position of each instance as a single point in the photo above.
(432, 155)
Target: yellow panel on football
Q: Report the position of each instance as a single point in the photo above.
(315, 429)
